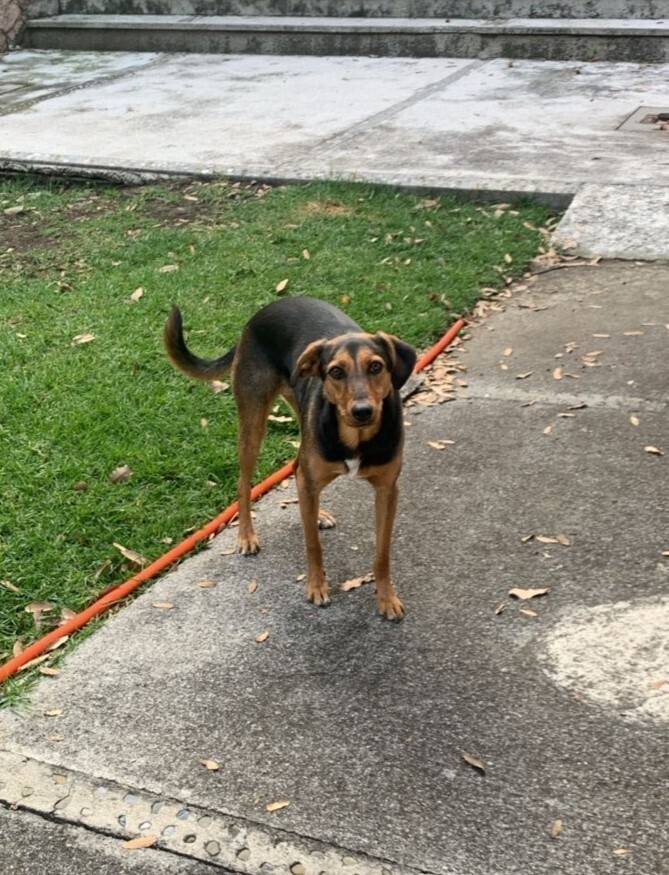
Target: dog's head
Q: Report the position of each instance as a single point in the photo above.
(358, 372)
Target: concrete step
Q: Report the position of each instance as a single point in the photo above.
(375, 8)
(540, 38)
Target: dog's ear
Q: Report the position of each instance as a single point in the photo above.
(401, 357)
(309, 363)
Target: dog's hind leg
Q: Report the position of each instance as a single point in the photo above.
(254, 399)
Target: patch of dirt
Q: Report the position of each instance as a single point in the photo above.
(329, 208)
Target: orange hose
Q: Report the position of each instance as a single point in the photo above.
(113, 596)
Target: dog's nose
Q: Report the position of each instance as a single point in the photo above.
(362, 411)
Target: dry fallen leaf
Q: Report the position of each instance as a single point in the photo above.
(524, 594)
(137, 294)
(168, 268)
(212, 765)
(473, 761)
(441, 445)
(53, 712)
(500, 608)
(524, 376)
(263, 636)
(634, 420)
(545, 539)
(356, 582)
(556, 829)
(620, 852)
(528, 612)
(278, 805)
(9, 585)
(217, 386)
(281, 286)
(132, 555)
(163, 606)
(228, 551)
(206, 584)
(564, 540)
(49, 672)
(39, 607)
(306, 254)
(139, 842)
(120, 474)
(82, 338)
(548, 429)
(658, 684)
(273, 418)
(654, 451)
(558, 374)
(253, 586)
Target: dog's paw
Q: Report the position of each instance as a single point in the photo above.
(326, 520)
(248, 545)
(319, 593)
(390, 606)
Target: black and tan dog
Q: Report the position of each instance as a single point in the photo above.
(343, 385)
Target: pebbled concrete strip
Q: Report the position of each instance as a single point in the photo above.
(127, 812)
(28, 840)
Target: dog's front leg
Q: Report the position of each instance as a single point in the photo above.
(308, 491)
(386, 495)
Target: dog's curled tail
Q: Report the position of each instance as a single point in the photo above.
(185, 360)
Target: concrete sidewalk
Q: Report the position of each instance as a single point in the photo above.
(555, 480)
(497, 128)
(361, 725)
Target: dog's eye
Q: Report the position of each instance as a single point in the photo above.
(337, 373)
(376, 367)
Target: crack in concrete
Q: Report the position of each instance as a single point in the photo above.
(105, 78)
(340, 138)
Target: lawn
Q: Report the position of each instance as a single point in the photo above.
(88, 275)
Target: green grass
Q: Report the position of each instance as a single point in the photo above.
(71, 258)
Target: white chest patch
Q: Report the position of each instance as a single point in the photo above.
(353, 466)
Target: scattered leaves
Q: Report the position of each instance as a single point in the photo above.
(278, 805)
(263, 636)
(658, 684)
(132, 555)
(212, 765)
(217, 386)
(49, 671)
(53, 712)
(9, 585)
(500, 608)
(528, 612)
(620, 852)
(121, 474)
(168, 268)
(556, 829)
(655, 451)
(441, 444)
(524, 375)
(281, 287)
(82, 338)
(473, 761)
(524, 594)
(634, 420)
(163, 606)
(139, 843)
(206, 584)
(356, 582)
(252, 586)
(137, 294)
